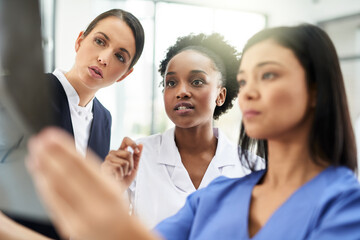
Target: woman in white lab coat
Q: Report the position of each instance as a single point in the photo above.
(199, 79)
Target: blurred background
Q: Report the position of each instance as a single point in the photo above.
(136, 104)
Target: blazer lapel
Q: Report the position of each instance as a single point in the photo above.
(60, 104)
(99, 138)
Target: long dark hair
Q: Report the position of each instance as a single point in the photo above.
(131, 21)
(331, 136)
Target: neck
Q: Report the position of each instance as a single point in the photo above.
(195, 139)
(85, 94)
(290, 161)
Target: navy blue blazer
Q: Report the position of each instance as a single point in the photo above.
(99, 138)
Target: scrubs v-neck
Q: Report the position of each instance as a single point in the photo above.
(326, 207)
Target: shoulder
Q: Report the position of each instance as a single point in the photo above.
(51, 76)
(334, 184)
(155, 141)
(337, 215)
(150, 140)
(58, 94)
(223, 140)
(151, 147)
(339, 188)
(342, 190)
(54, 82)
(245, 159)
(339, 180)
(99, 108)
(226, 152)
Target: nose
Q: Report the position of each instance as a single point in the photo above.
(102, 61)
(104, 58)
(182, 91)
(249, 92)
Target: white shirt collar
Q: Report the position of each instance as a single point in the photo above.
(170, 154)
(70, 91)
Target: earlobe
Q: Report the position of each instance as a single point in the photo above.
(78, 41)
(221, 97)
(125, 75)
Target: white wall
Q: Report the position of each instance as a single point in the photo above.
(71, 18)
(288, 12)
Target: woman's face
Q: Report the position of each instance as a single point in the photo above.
(105, 54)
(192, 89)
(273, 97)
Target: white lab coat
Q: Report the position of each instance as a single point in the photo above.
(162, 183)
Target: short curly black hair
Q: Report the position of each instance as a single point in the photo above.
(225, 57)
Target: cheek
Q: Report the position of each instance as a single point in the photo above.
(166, 98)
(116, 71)
(209, 96)
(241, 99)
(83, 56)
(288, 105)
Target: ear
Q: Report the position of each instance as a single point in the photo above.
(221, 97)
(125, 75)
(79, 40)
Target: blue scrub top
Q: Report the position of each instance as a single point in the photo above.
(326, 207)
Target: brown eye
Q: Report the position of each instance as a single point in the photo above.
(170, 83)
(197, 82)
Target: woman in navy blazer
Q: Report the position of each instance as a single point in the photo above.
(105, 53)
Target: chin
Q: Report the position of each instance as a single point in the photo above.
(255, 134)
(184, 125)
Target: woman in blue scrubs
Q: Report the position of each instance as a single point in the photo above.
(294, 109)
(295, 116)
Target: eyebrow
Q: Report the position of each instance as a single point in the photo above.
(261, 64)
(192, 72)
(121, 49)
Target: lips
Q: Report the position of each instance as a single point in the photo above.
(183, 106)
(96, 72)
(250, 113)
